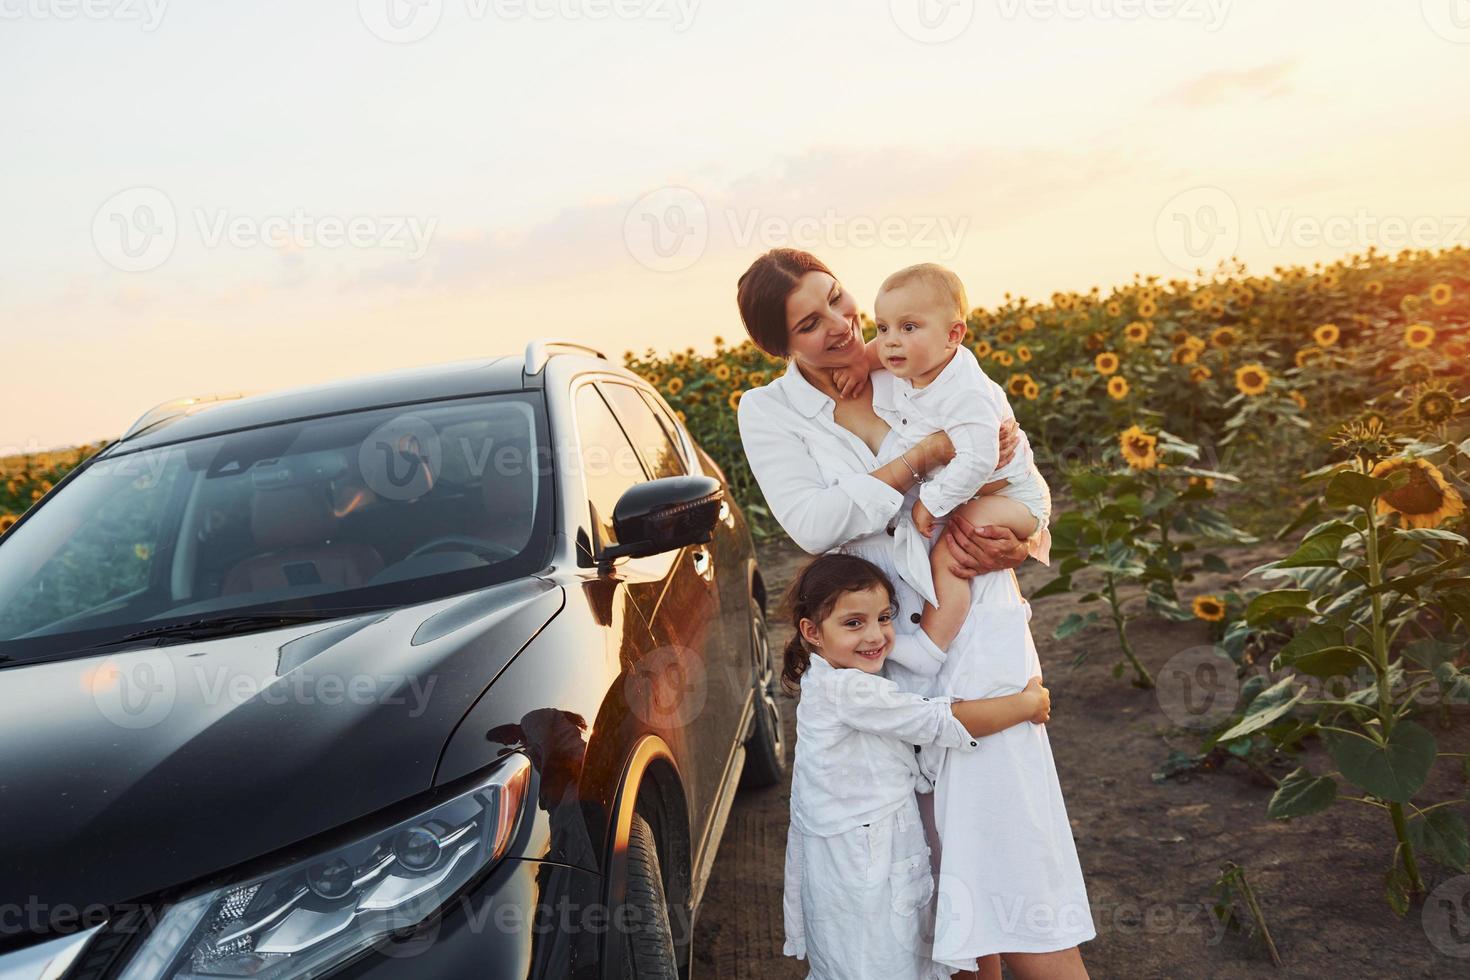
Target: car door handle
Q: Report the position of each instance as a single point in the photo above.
(727, 515)
(702, 563)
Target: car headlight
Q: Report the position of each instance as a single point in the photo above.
(303, 919)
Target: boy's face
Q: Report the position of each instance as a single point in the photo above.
(857, 633)
(917, 331)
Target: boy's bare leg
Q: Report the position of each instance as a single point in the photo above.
(989, 969)
(943, 624)
(1064, 964)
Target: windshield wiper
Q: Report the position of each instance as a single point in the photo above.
(205, 629)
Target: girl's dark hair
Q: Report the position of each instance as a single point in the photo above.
(816, 590)
(762, 293)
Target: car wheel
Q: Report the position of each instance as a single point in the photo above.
(648, 942)
(765, 750)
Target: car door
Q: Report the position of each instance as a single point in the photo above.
(702, 686)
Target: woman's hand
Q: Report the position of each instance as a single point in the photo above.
(1010, 438)
(976, 550)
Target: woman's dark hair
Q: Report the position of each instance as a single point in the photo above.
(762, 293)
(816, 590)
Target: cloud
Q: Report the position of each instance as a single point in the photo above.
(1216, 87)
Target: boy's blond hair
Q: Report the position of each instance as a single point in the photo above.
(935, 277)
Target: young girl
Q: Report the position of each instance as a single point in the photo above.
(858, 880)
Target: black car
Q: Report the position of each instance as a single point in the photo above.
(451, 672)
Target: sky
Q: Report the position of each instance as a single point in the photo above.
(201, 196)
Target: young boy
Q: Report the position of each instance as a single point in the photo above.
(932, 383)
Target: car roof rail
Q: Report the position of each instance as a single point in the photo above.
(178, 408)
(538, 352)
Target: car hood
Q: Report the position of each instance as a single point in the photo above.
(129, 773)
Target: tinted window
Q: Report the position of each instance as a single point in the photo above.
(365, 509)
(609, 463)
(646, 431)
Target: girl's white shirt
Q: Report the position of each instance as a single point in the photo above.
(856, 734)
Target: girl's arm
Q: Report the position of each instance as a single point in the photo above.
(991, 715)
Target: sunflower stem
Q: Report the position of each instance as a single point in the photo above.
(1120, 623)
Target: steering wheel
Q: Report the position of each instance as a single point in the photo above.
(491, 550)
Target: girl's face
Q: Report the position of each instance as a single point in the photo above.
(857, 633)
(822, 324)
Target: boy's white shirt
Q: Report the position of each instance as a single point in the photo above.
(859, 731)
(965, 403)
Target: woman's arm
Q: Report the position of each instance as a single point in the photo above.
(818, 510)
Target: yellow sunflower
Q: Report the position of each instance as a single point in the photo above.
(1027, 324)
(7, 521)
(981, 348)
(1251, 379)
(1200, 373)
(1205, 483)
(1326, 335)
(1024, 353)
(1114, 308)
(1299, 399)
(676, 385)
(1107, 363)
(1140, 449)
(1435, 404)
(1210, 608)
(1006, 337)
(722, 371)
(1199, 302)
(1147, 308)
(1003, 357)
(682, 417)
(1373, 287)
(1031, 391)
(1118, 387)
(1063, 301)
(1306, 356)
(757, 378)
(1441, 293)
(1225, 337)
(1410, 303)
(1426, 500)
(734, 399)
(1137, 331)
(1016, 383)
(1419, 336)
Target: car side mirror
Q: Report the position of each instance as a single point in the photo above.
(664, 515)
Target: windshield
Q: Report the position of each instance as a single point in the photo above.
(352, 512)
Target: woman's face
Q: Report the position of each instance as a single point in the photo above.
(822, 323)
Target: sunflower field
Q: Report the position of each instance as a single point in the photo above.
(1324, 411)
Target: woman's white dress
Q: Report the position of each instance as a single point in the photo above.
(1009, 878)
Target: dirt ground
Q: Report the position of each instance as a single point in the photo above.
(1150, 850)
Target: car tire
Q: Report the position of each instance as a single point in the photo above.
(648, 941)
(765, 749)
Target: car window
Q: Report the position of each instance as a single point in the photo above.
(364, 509)
(609, 464)
(652, 440)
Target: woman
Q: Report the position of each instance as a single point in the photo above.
(832, 472)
